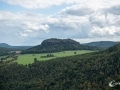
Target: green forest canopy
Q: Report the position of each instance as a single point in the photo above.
(91, 71)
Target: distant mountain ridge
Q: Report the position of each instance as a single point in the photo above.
(102, 44)
(56, 45)
(4, 45)
(53, 43)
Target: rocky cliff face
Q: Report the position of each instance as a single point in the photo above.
(58, 42)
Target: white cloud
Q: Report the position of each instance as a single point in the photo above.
(30, 26)
(27, 23)
(101, 19)
(35, 26)
(77, 10)
(113, 20)
(105, 31)
(98, 18)
(23, 34)
(113, 10)
(35, 4)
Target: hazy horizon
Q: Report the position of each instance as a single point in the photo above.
(57, 38)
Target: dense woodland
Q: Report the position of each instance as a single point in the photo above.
(56, 45)
(4, 51)
(91, 71)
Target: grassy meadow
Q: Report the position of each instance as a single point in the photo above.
(29, 58)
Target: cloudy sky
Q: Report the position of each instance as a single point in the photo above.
(28, 22)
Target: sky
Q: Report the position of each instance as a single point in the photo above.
(29, 22)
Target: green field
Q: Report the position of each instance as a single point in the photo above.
(29, 58)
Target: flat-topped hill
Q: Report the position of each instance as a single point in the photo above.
(56, 45)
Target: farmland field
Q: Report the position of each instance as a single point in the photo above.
(29, 58)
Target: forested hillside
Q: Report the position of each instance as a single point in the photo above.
(56, 45)
(102, 44)
(91, 71)
(4, 51)
(4, 45)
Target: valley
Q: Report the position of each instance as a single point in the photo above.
(52, 66)
(29, 58)
(59, 44)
